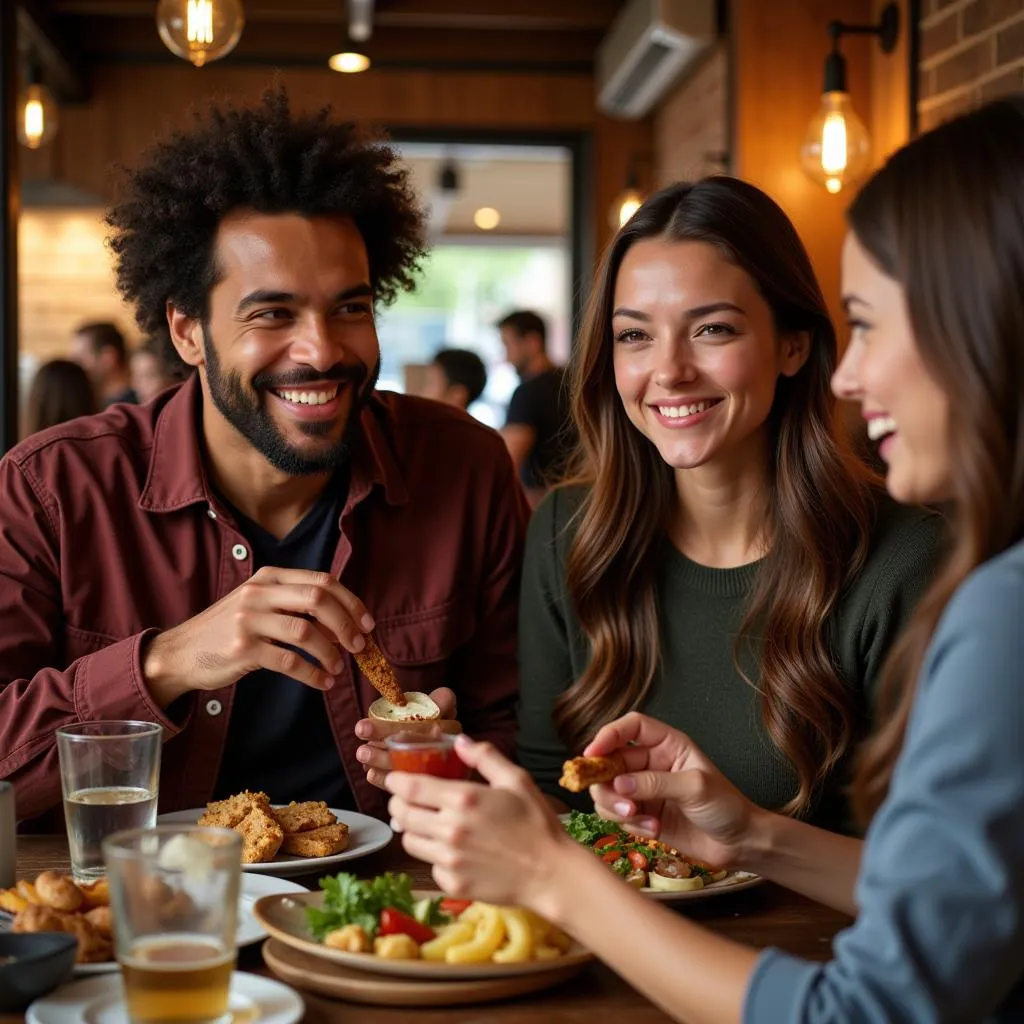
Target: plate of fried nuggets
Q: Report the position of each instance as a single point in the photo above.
(54, 903)
(290, 838)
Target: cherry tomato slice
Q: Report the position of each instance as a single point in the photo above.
(394, 922)
(606, 841)
(453, 907)
(637, 861)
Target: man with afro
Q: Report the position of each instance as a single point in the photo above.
(213, 560)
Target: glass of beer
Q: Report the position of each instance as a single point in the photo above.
(174, 897)
(109, 775)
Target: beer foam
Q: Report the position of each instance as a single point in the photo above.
(189, 855)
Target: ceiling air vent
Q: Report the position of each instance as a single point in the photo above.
(647, 48)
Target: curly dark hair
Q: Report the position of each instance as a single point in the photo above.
(268, 159)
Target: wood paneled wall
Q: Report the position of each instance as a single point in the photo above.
(132, 104)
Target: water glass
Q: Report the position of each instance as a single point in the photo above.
(109, 775)
(174, 893)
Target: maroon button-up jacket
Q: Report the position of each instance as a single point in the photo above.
(109, 528)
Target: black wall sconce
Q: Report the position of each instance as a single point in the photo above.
(836, 149)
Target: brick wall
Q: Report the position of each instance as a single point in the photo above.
(690, 126)
(971, 51)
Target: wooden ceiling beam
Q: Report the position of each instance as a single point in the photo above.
(129, 39)
(494, 15)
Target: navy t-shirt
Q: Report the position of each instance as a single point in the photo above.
(279, 738)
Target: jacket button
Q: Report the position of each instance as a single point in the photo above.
(214, 707)
(211, 513)
(239, 552)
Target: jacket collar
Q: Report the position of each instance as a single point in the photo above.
(177, 474)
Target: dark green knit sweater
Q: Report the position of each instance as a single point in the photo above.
(697, 688)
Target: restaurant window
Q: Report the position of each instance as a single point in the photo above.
(473, 277)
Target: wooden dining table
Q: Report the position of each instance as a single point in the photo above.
(766, 915)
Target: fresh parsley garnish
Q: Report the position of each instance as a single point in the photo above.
(347, 900)
(588, 828)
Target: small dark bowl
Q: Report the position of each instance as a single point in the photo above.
(43, 960)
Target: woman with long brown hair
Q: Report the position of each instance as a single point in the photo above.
(60, 391)
(721, 560)
(933, 279)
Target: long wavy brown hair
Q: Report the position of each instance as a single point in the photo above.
(820, 505)
(945, 218)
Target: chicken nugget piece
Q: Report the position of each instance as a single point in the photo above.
(303, 817)
(320, 842)
(228, 813)
(352, 938)
(396, 947)
(37, 919)
(92, 947)
(583, 772)
(378, 671)
(59, 892)
(262, 836)
(102, 922)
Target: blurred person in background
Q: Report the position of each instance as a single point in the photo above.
(456, 377)
(151, 371)
(538, 429)
(61, 390)
(99, 348)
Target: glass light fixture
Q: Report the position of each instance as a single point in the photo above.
(625, 205)
(487, 218)
(37, 112)
(349, 62)
(200, 30)
(836, 150)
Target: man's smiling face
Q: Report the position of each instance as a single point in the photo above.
(290, 350)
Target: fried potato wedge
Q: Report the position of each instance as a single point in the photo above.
(519, 935)
(488, 936)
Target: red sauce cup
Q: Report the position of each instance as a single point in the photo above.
(425, 755)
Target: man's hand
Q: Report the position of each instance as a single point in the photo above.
(373, 755)
(248, 630)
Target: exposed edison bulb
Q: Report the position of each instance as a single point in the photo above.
(836, 148)
(37, 116)
(348, 62)
(200, 30)
(625, 205)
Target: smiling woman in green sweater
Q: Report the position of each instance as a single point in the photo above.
(721, 561)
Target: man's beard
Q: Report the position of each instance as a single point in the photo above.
(245, 408)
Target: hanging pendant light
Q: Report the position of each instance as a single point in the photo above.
(200, 30)
(37, 111)
(836, 150)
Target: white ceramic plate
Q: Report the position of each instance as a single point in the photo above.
(254, 887)
(365, 835)
(101, 1001)
(285, 918)
(733, 882)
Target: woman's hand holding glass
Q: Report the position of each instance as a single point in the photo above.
(674, 793)
(500, 843)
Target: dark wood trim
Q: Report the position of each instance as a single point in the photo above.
(913, 30)
(8, 227)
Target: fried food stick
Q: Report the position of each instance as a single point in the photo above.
(378, 670)
(583, 772)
